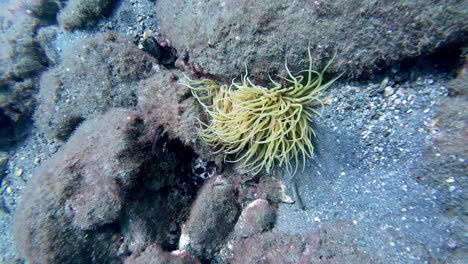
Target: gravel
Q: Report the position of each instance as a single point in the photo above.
(370, 138)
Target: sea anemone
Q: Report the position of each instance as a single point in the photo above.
(262, 127)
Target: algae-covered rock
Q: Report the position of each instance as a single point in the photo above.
(82, 13)
(94, 75)
(166, 103)
(333, 243)
(221, 37)
(154, 254)
(65, 213)
(257, 217)
(43, 9)
(211, 219)
(22, 59)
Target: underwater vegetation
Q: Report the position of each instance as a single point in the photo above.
(262, 127)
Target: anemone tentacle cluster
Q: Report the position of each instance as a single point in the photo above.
(262, 127)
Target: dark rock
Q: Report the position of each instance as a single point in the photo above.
(17, 100)
(21, 60)
(7, 132)
(43, 9)
(16, 105)
(24, 57)
(151, 46)
(267, 188)
(165, 54)
(444, 162)
(211, 219)
(3, 162)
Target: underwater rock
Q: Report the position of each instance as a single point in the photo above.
(43, 9)
(94, 75)
(166, 103)
(220, 37)
(212, 217)
(66, 212)
(22, 55)
(17, 103)
(47, 38)
(82, 13)
(22, 59)
(154, 254)
(257, 217)
(328, 244)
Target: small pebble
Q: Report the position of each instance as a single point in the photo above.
(388, 91)
(19, 172)
(450, 180)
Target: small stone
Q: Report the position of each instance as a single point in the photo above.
(123, 250)
(37, 160)
(19, 172)
(147, 34)
(3, 160)
(384, 82)
(450, 180)
(452, 244)
(452, 188)
(388, 91)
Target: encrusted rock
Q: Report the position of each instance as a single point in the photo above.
(95, 75)
(211, 219)
(257, 217)
(82, 13)
(154, 254)
(221, 37)
(74, 194)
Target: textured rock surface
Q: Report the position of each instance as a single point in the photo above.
(63, 214)
(155, 255)
(43, 9)
(94, 75)
(21, 60)
(166, 103)
(212, 217)
(22, 56)
(220, 37)
(327, 245)
(82, 13)
(257, 217)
